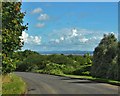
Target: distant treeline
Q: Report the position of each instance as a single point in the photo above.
(72, 52)
(103, 64)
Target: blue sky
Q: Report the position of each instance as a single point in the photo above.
(68, 26)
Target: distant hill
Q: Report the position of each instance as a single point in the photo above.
(66, 52)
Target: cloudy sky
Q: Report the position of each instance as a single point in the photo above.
(68, 26)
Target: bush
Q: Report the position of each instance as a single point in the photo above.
(68, 69)
(83, 70)
(53, 68)
(60, 59)
(55, 64)
(31, 63)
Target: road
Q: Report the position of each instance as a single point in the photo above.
(50, 84)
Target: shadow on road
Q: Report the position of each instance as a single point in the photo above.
(32, 89)
(67, 78)
(84, 82)
(76, 80)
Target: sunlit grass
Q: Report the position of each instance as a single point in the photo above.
(12, 84)
(94, 79)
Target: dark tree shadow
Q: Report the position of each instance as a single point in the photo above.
(80, 80)
(85, 82)
(32, 89)
(67, 78)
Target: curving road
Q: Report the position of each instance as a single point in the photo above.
(49, 84)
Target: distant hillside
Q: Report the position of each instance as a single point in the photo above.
(66, 52)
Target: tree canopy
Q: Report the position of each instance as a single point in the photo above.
(105, 58)
(12, 28)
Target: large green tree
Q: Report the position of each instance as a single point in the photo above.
(118, 61)
(12, 28)
(105, 58)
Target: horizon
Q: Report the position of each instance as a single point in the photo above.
(70, 52)
(57, 26)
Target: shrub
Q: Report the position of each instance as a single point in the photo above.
(53, 68)
(83, 70)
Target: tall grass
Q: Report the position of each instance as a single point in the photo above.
(12, 85)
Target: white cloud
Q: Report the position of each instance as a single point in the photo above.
(40, 25)
(67, 39)
(62, 38)
(94, 37)
(74, 33)
(37, 40)
(26, 38)
(37, 10)
(57, 40)
(73, 38)
(43, 17)
(83, 40)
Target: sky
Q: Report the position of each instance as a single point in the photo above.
(62, 26)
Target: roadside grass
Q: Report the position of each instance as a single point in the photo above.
(102, 80)
(12, 85)
(114, 82)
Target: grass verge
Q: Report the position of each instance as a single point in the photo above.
(12, 85)
(94, 79)
(113, 82)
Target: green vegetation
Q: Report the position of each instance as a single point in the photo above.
(53, 64)
(11, 16)
(103, 65)
(12, 85)
(105, 59)
(94, 79)
(12, 28)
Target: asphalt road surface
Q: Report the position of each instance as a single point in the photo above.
(50, 84)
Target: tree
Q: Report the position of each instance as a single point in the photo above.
(105, 58)
(118, 61)
(12, 28)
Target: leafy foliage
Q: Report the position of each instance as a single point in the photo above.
(105, 58)
(52, 64)
(52, 68)
(12, 27)
(83, 70)
(118, 61)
